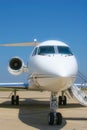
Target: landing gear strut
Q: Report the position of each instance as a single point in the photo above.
(54, 117)
(15, 99)
(62, 99)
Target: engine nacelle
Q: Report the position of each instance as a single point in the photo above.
(16, 66)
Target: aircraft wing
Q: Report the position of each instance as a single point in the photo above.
(18, 86)
(20, 44)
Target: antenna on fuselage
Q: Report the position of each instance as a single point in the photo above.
(35, 41)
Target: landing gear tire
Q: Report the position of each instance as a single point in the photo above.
(62, 101)
(51, 118)
(54, 117)
(65, 100)
(12, 100)
(15, 100)
(58, 118)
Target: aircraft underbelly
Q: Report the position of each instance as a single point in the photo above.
(52, 83)
(55, 84)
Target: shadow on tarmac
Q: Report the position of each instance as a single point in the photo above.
(35, 113)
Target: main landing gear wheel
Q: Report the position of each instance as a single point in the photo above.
(53, 116)
(15, 99)
(62, 100)
(65, 100)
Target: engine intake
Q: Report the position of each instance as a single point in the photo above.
(15, 63)
(16, 66)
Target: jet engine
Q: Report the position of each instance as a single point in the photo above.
(16, 66)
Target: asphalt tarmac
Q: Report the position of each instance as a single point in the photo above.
(33, 111)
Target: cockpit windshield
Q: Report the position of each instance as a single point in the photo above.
(46, 50)
(64, 50)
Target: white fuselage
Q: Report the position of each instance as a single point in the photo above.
(52, 71)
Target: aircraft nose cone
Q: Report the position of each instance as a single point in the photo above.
(66, 69)
(66, 72)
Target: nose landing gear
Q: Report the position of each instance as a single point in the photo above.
(53, 116)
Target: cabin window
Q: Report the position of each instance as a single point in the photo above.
(64, 50)
(46, 50)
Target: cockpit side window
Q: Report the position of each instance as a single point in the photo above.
(64, 50)
(42, 50)
(34, 52)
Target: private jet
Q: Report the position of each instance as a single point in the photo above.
(51, 67)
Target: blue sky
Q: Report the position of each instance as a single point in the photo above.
(24, 20)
